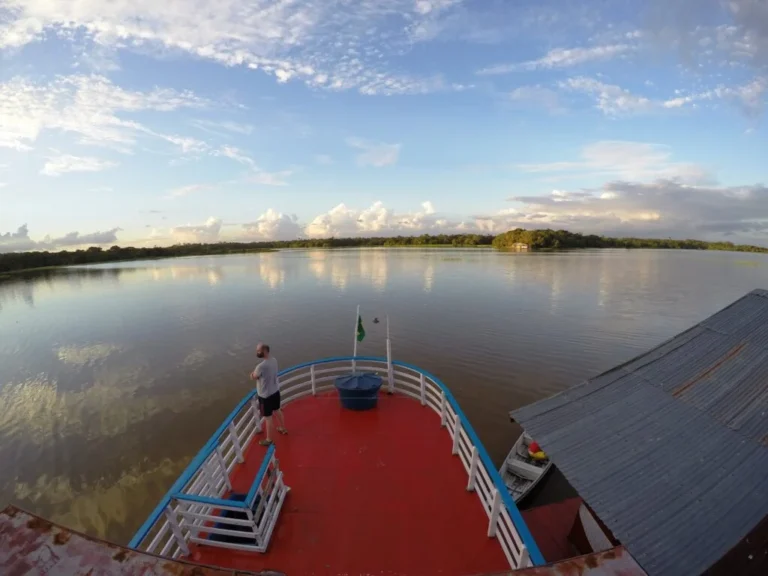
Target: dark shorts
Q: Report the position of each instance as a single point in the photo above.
(269, 404)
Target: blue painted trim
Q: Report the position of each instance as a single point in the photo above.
(517, 519)
(189, 471)
(207, 500)
(259, 477)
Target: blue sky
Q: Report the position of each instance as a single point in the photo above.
(143, 122)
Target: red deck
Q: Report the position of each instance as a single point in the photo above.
(375, 492)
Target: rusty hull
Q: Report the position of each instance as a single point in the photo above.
(614, 562)
(32, 545)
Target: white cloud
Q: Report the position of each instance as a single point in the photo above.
(376, 220)
(98, 59)
(614, 100)
(191, 234)
(751, 97)
(375, 154)
(235, 154)
(20, 241)
(76, 239)
(626, 160)
(273, 225)
(325, 44)
(736, 36)
(561, 58)
(91, 107)
(270, 178)
(611, 99)
(186, 144)
(661, 208)
(187, 190)
(257, 175)
(67, 163)
(16, 241)
(222, 128)
(539, 96)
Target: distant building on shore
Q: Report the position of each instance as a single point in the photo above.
(520, 247)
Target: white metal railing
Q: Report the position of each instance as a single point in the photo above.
(248, 523)
(190, 507)
(505, 522)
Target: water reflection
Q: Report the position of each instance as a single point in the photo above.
(429, 277)
(373, 268)
(88, 354)
(213, 275)
(341, 268)
(111, 378)
(272, 273)
(24, 286)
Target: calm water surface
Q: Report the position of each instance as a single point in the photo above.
(112, 377)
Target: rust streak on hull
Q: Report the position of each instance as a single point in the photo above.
(32, 545)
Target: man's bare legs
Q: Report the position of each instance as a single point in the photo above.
(268, 439)
(281, 422)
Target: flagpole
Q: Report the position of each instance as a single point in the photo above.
(354, 336)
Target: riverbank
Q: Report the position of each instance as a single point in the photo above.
(18, 262)
(519, 239)
(21, 271)
(13, 264)
(563, 240)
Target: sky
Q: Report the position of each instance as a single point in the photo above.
(145, 122)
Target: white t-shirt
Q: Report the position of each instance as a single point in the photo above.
(266, 377)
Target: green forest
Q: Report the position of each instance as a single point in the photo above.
(17, 261)
(535, 239)
(562, 239)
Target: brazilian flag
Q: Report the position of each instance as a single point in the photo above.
(360, 329)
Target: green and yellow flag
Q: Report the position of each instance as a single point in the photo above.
(360, 329)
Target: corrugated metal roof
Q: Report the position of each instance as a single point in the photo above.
(671, 449)
(32, 545)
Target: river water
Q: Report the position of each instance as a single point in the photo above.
(112, 377)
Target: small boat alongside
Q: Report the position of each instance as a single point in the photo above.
(523, 468)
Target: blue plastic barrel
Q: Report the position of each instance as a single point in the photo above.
(359, 391)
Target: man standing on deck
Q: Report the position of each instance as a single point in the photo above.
(268, 391)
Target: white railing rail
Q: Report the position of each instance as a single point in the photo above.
(207, 476)
(248, 523)
(505, 522)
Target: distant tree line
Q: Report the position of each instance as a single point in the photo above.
(562, 239)
(394, 241)
(535, 239)
(15, 261)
